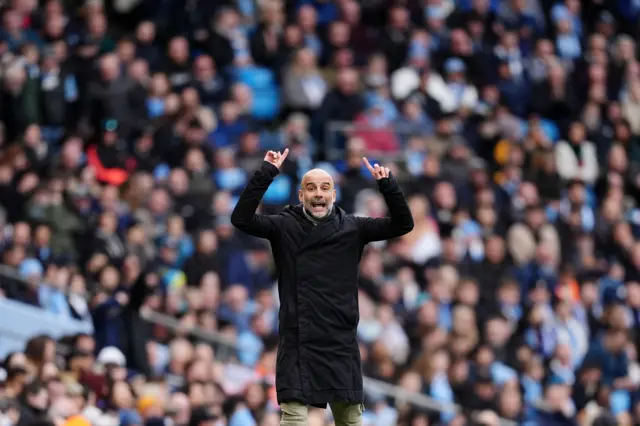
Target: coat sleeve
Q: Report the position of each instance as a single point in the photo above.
(398, 223)
(244, 215)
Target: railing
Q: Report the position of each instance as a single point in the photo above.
(22, 321)
(225, 347)
(372, 386)
(336, 134)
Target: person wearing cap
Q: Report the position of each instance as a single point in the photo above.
(111, 356)
(317, 249)
(459, 94)
(606, 24)
(32, 271)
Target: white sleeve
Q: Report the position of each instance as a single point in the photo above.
(566, 161)
(589, 170)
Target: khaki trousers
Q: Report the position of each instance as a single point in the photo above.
(344, 414)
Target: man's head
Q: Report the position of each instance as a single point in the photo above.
(317, 193)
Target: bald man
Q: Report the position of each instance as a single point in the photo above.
(317, 247)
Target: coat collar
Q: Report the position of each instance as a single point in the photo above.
(314, 220)
(321, 231)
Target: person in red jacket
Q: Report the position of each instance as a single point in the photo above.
(376, 130)
(111, 165)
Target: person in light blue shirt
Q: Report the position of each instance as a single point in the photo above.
(53, 300)
(501, 373)
(439, 387)
(569, 46)
(560, 11)
(382, 415)
(228, 176)
(250, 345)
(445, 311)
(567, 39)
(177, 239)
(531, 381)
(509, 301)
(609, 352)
(414, 121)
(242, 417)
(237, 308)
(307, 19)
(248, 10)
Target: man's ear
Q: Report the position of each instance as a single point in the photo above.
(334, 195)
(300, 196)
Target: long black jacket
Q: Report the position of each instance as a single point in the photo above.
(318, 357)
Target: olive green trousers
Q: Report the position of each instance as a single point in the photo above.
(344, 414)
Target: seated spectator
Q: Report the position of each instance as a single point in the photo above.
(131, 299)
(375, 129)
(577, 158)
(14, 33)
(303, 87)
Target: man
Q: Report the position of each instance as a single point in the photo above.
(317, 248)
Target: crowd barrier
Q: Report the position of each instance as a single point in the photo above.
(20, 321)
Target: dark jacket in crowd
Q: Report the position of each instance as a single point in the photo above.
(545, 418)
(318, 355)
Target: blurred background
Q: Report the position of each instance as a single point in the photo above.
(128, 128)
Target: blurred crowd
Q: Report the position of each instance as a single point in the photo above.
(128, 128)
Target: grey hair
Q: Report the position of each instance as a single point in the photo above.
(622, 38)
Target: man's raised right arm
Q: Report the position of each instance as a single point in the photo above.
(244, 216)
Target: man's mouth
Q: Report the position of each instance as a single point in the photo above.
(318, 205)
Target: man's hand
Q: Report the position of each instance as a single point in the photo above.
(276, 158)
(377, 171)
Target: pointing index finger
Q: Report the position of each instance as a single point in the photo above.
(366, 162)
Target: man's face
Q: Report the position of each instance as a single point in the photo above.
(40, 399)
(317, 193)
(497, 331)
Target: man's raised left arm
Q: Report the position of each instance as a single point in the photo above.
(400, 220)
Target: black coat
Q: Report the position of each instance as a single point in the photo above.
(318, 356)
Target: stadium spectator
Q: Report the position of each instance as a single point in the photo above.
(129, 128)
